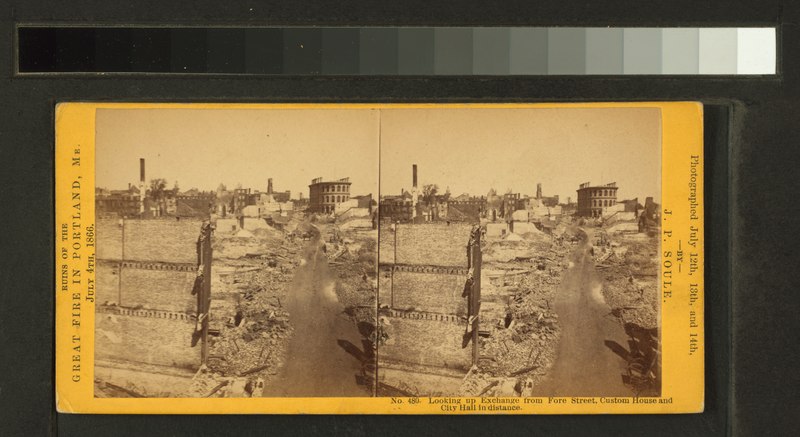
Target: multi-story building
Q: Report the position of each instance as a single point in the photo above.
(241, 198)
(325, 195)
(592, 199)
(465, 208)
(397, 208)
(512, 202)
(541, 200)
(197, 204)
(118, 203)
(278, 196)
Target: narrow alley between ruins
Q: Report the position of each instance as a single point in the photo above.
(584, 366)
(321, 358)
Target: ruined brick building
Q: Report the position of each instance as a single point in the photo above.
(592, 199)
(323, 196)
(428, 295)
(146, 325)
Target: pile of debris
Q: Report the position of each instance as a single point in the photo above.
(106, 389)
(256, 345)
(630, 269)
(209, 384)
(352, 256)
(524, 341)
(356, 280)
(484, 385)
(250, 329)
(519, 345)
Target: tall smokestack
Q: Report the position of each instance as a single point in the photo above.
(414, 193)
(539, 191)
(269, 186)
(141, 186)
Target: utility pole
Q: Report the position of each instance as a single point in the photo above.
(204, 301)
(121, 262)
(474, 260)
(396, 227)
(476, 293)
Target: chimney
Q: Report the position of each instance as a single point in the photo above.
(141, 186)
(269, 186)
(539, 191)
(414, 167)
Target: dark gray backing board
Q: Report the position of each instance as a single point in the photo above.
(752, 301)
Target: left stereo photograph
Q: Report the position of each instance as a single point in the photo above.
(236, 252)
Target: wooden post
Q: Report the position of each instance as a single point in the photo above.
(475, 296)
(121, 262)
(204, 258)
(395, 227)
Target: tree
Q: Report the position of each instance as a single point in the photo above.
(157, 188)
(429, 192)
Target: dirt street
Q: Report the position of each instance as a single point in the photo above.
(585, 366)
(318, 363)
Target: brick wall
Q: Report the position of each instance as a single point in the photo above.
(155, 282)
(424, 292)
(468, 212)
(426, 243)
(107, 283)
(150, 340)
(161, 290)
(152, 289)
(425, 342)
(165, 240)
(109, 238)
(420, 337)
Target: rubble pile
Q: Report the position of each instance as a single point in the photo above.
(352, 255)
(478, 382)
(106, 389)
(260, 340)
(630, 266)
(484, 385)
(519, 337)
(250, 329)
(356, 283)
(209, 384)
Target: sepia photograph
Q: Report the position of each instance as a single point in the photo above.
(519, 252)
(237, 252)
(378, 252)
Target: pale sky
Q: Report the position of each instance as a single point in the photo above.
(201, 148)
(470, 150)
(473, 150)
